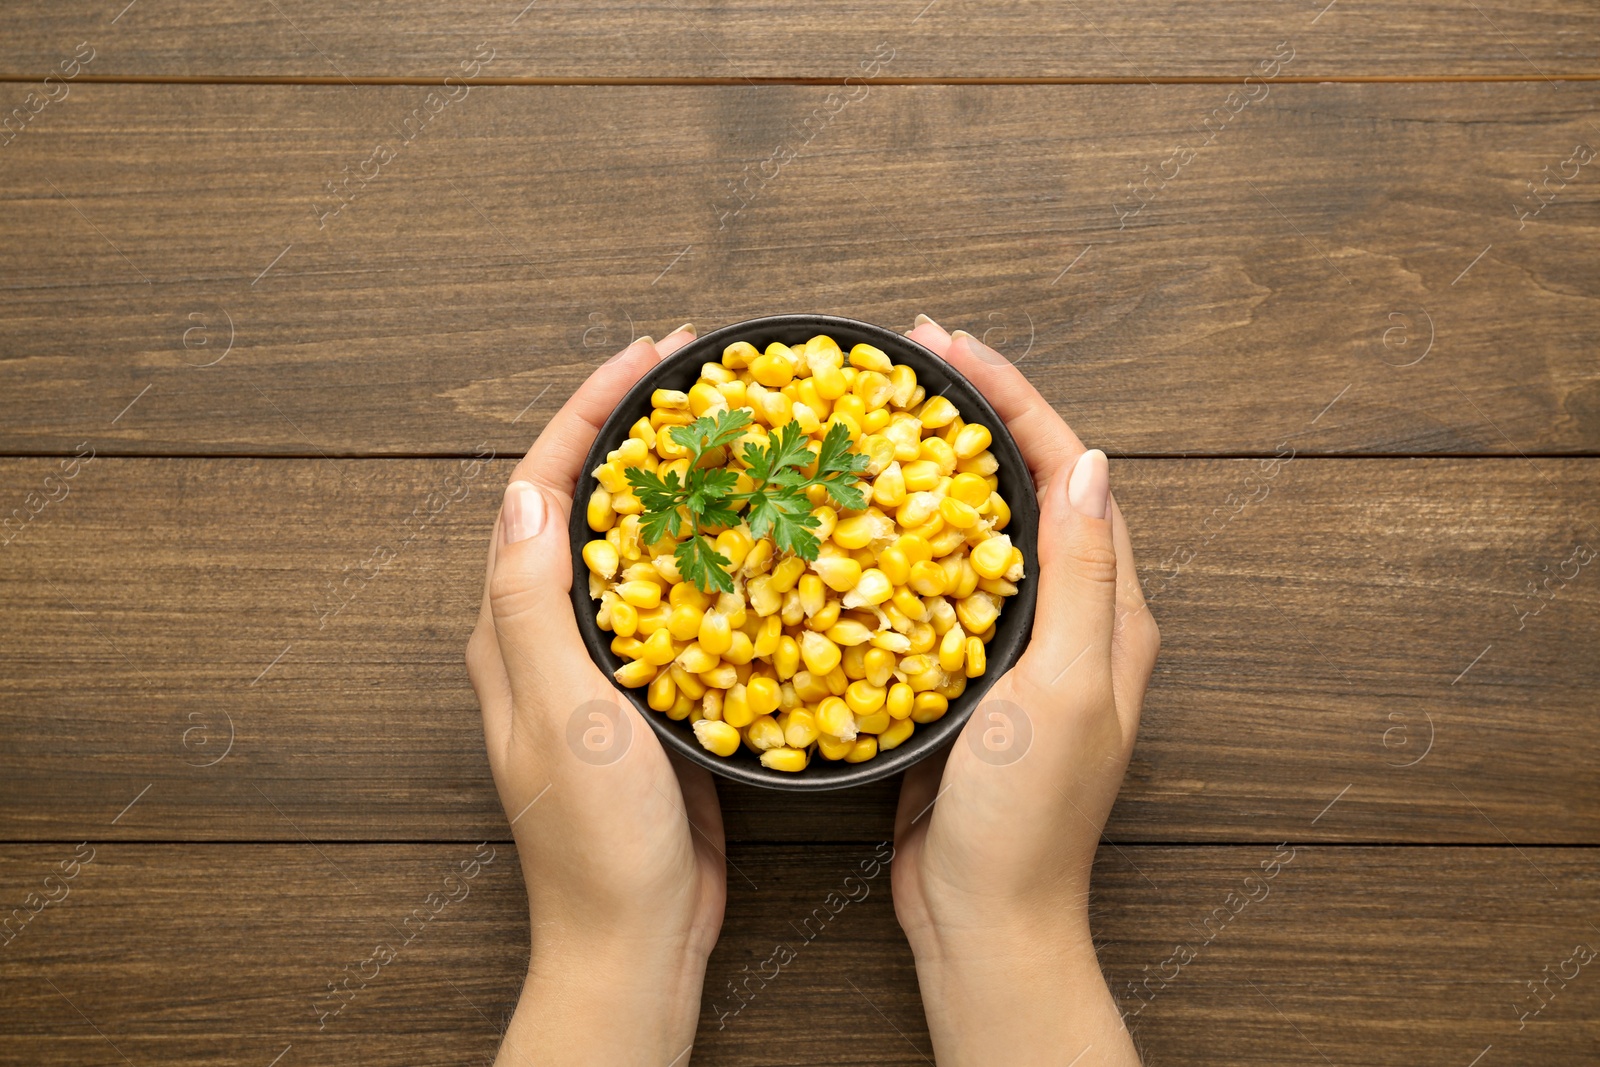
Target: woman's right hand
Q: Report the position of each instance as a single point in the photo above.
(995, 843)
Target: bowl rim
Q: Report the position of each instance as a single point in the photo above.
(1016, 618)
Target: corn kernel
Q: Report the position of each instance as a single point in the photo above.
(875, 723)
(825, 617)
(658, 649)
(599, 513)
(977, 657)
(953, 650)
(663, 692)
(763, 695)
(970, 489)
(786, 657)
(834, 748)
(896, 734)
(697, 660)
(835, 719)
(771, 370)
(841, 573)
(983, 463)
(820, 654)
(900, 700)
(829, 382)
(929, 707)
(978, 611)
(937, 412)
(635, 673)
(866, 357)
(927, 579)
(940, 454)
(922, 638)
(855, 532)
(736, 706)
(879, 666)
(682, 708)
(767, 635)
(849, 632)
(865, 748)
(792, 760)
(971, 439)
(687, 683)
(640, 594)
(810, 687)
(764, 734)
(990, 558)
(715, 633)
(956, 513)
(864, 698)
(627, 647)
(800, 727)
(624, 619)
(717, 737)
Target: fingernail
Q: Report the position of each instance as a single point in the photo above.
(646, 338)
(1089, 490)
(521, 513)
(923, 320)
(979, 349)
(687, 328)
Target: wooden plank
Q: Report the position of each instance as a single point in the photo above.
(1351, 618)
(1382, 956)
(696, 38)
(1349, 243)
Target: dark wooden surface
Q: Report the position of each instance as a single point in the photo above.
(1372, 650)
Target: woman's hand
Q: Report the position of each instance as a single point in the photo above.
(994, 844)
(621, 847)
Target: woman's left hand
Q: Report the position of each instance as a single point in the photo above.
(620, 845)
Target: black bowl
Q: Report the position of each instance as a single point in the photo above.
(679, 371)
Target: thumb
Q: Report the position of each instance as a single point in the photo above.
(1077, 577)
(530, 576)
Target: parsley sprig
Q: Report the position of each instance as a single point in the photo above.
(777, 500)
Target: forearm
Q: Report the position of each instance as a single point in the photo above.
(1030, 1000)
(616, 1006)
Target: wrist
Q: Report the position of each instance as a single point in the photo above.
(605, 1000)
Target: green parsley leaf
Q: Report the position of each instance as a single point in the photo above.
(708, 432)
(700, 563)
(660, 498)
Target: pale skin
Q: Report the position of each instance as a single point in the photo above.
(623, 859)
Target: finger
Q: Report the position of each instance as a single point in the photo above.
(676, 339)
(1076, 613)
(530, 574)
(1136, 640)
(1047, 442)
(929, 335)
(700, 804)
(487, 670)
(556, 459)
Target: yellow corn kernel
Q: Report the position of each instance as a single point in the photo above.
(878, 449)
(644, 432)
(956, 513)
(835, 718)
(922, 638)
(827, 521)
(865, 748)
(841, 573)
(812, 593)
(854, 660)
(736, 706)
(970, 489)
(705, 397)
(875, 723)
(640, 594)
(626, 504)
(624, 619)
(929, 707)
(978, 611)
(792, 760)
(759, 559)
(739, 355)
(865, 698)
(799, 727)
(851, 425)
(717, 737)
(600, 514)
(983, 463)
(711, 705)
(917, 510)
(952, 686)
(715, 633)
(787, 573)
(940, 454)
(734, 545)
(764, 734)
(992, 557)
(697, 660)
(786, 657)
(947, 540)
(889, 487)
(904, 379)
(661, 419)
(999, 512)
(763, 598)
(635, 673)
(896, 735)
(806, 415)
(849, 632)
(734, 393)
(716, 374)
(937, 412)
(820, 654)
(927, 579)
(824, 619)
(771, 370)
(977, 657)
(873, 421)
(947, 433)
(854, 532)
(741, 650)
(670, 400)
(873, 588)
(627, 647)
(768, 633)
(682, 708)
(879, 663)
(611, 478)
(971, 439)
(866, 357)
(953, 650)
(687, 593)
(850, 406)
(810, 687)
(941, 613)
(658, 649)
(834, 748)
(688, 684)
(900, 700)
(829, 382)
(684, 622)
(763, 694)
(920, 476)
(895, 565)
(998, 586)
(663, 692)
(601, 557)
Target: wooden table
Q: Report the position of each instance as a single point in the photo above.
(276, 276)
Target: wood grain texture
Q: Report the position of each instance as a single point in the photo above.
(1326, 623)
(216, 955)
(698, 38)
(1349, 243)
